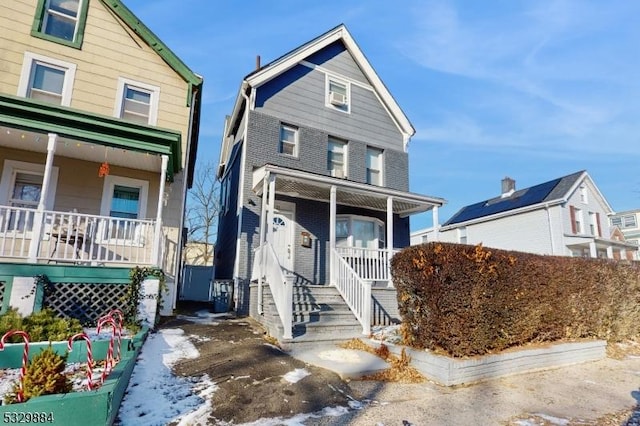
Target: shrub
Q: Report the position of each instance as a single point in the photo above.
(41, 326)
(469, 300)
(44, 376)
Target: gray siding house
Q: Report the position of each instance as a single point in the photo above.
(314, 189)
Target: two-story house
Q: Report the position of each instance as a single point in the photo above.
(98, 136)
(567, 216)
(314, 177)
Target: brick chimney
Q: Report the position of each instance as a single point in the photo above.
(508, 186)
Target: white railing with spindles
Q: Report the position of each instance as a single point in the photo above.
(369, 264)
(75, 237)
(355, 290)
(280, 284)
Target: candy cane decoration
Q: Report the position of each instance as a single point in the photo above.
(108, 365)
(25, 357)
(89, 356)
(118, 316)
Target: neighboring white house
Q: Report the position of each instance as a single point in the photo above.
(629, 224)
(567, 216)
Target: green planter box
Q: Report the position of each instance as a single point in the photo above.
(97, 407)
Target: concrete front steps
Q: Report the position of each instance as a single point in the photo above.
(320, 318)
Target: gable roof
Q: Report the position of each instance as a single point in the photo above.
(553, 191)
(298, 55)
(117, 7)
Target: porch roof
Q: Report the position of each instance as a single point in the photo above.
(31, 115)
(583, 241)
(311, 186)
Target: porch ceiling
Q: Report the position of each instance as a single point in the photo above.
(72, 148)
(297, 184)
(79, 127)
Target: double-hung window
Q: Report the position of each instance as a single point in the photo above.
(61, 21)
(629, 221)
(337, 157)
(337, 94)
(21, 191)
(374, 166)
(360, 232)
(46, 79)
(137, 102)
(288, 140)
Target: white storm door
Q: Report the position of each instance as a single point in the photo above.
(282, 238)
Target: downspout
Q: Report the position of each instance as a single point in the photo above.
(240, 199)
(178, 265)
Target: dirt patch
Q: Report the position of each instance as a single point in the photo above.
(249, 373)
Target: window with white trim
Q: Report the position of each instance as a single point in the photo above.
(359, 231)
(616, 221)
(288, 140)
(584, 198)
(578, 221)
(337, 94)
(46, 79)
(593, 224)
(629, 221)
(374, 161)
(337, 157)
(137, 102)
(21, 188)
(462, 235)
(125, 200)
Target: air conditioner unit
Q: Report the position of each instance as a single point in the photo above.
(337, 99)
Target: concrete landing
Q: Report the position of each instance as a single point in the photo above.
(347, 363)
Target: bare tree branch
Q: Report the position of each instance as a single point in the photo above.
(203, 205)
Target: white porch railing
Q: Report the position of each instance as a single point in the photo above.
(355, 290)
(369, 264)
(74, 237)
(280, 283)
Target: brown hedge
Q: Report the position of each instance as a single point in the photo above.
(471, 300)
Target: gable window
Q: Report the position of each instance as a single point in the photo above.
(374, 166)
(337, 157)
(337, 94)
(124, 200)
(61, 21)
(137, 102)
(583, 195)
(46, 79)
(288, 140)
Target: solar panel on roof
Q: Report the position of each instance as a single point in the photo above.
(526, 197)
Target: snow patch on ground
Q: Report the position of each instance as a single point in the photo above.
(299, 419)
(389, 333)
(340, 355)
(296, 375)
(175, 399)
(204, 317)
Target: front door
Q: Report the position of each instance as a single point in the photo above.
(282, 238)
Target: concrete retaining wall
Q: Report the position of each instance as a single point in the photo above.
(451, 371)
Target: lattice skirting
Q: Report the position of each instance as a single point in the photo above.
(84, 301)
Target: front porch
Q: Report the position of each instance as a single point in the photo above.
(45, 236)
(356, 263)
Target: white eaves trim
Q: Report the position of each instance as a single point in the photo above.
(339, 33)
(585, 176)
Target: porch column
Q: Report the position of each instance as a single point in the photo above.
(623, 253)
(593, 251)
(389, 239)
(263, 231)
(157, 236)
(436, 224)
(34, 248)
(271, 208)
(609, 252)
(332, 234)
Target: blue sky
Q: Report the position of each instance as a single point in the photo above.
(532, 90)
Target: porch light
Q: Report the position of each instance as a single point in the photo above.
(104, 170)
